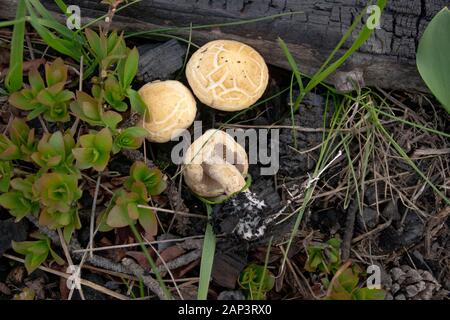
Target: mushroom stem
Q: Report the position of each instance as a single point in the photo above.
(224, 173)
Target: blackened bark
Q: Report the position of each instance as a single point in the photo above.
(386, 60)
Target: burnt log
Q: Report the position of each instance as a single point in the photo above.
(386, 60)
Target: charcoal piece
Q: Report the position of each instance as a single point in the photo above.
(247, 214)
(11, 231)
(231, 295)
(159, 62)
(409, 233)
(229, 261)
(293, 163)
(327, 221)
(368, 219)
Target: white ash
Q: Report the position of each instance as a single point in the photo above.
(250, 226)
(252, 203)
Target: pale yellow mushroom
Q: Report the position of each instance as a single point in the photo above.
(215, 164)
(170, 107)
(227, 75)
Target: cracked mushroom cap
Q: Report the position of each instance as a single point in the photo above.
(170, 107)
(227, 75)
(215, 165)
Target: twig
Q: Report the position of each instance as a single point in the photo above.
(336, 276)
(82, 281)
(185, 245)
(372, 232)
(181, 213)
(167, 269)
(182, 260)
(138, 271)
(69, 261)
(349, 228)
(92, 222)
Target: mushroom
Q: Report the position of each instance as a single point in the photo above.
(227, 75)
(215, 165)
(170, 107)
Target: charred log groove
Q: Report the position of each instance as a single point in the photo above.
(386, 60)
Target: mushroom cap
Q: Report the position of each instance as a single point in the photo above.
(215, 164)
(227, 75)
(170, 107)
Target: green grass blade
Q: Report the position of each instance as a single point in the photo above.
(206, 264)
(404, 156)
(360, 40)
(292, 63)
(14, 78)
(12, 22)
(150, 261)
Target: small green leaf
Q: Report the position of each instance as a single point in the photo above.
(147, 219)
(14, 78)
(137, 104)
(56, 72)
(117, 217)
(36, 81)
(433, 57)
(130, 68)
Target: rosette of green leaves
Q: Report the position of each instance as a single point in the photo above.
(151, 178)
(346, 286)
(49, 99)
(6, 171)
(110, 51)
(256, 280)
(69, 221)
(107, 50)
(54, 151)
(94, 151)
(129, 138)
(324, 257)
(90, 110)
(126, 210)
(20, 144)
(57, 191)
(20, 200)
(36, 252)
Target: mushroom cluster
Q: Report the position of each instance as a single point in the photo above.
(225, 75)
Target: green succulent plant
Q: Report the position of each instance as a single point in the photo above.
(94, 151)
(6, 171)
(54, 151)
(20, 201)
(107, 50)
(112, 51)
(69, 221)
(21, 141)
(346, 287)
(152, 179)
(36, 252)
(126, 210)
(90, 110)
(324, 257)
(50, 98)
(129, 138)
(142, 183)
(256, 280)
(56, 191)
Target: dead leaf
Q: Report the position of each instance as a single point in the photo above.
(4, 289)
(170, 254)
